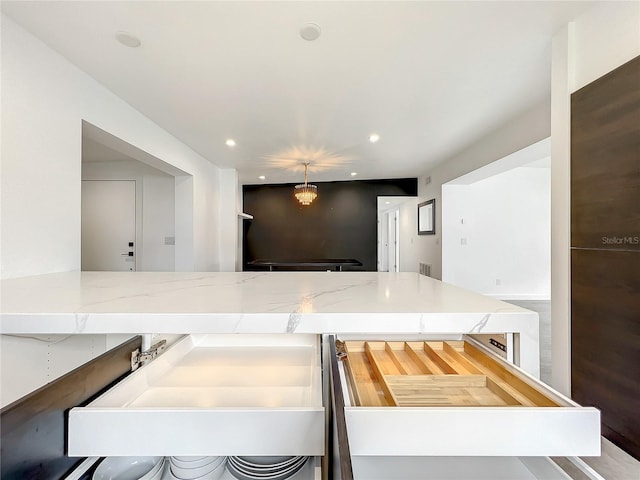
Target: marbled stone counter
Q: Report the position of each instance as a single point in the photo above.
(258, 302)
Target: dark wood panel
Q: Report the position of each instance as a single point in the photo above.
(33, 428)
(340, 223)
(605, 340)
(605, 161)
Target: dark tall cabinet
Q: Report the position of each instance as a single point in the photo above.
(605, 251)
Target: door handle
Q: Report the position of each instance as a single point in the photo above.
(130, 254)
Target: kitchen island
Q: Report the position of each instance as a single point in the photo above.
(260, 302)
(259, 355)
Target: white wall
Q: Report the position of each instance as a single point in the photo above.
(409, 235)
(239, 228)
(229, 221)
(158, 222)
(531, 127)
(604, 37)
(600, 40)
(185, 258)
(496, 234)
(44, 100)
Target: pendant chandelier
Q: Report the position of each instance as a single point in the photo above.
(305, 192)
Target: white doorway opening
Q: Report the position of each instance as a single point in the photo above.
(496, 227)
(163, 200)
(388, 241)
(395, 233)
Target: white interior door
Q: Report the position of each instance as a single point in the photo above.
(108, 225)
(383, 235)
(392, 241)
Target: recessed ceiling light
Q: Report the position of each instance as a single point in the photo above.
(374, 137)
(353, 174)
(387, 203)
(128, 40)
(310, 32)
(230, 142)
(262, 177)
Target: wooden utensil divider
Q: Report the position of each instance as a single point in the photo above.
(380, 375)
(504, 378)
(441, 362)
(447, 373)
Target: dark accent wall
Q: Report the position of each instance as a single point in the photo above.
(340, 223)
(605, 251)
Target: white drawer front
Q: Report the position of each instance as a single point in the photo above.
(473, 431)
(212, 395)
(196, 432)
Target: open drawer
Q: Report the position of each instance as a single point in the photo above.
(211, 395)
(455, 398)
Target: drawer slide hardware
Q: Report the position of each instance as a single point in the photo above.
(138, 358)
(497, 344)
(341, 350)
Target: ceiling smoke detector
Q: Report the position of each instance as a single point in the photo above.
(310, 32)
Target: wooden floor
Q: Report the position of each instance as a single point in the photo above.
(614, 463)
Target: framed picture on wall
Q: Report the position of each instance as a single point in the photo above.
(427, 217)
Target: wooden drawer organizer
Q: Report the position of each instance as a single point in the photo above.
(433, 374)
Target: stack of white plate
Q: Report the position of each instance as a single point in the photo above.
(195, 468)
(265, 468)
(130, 468)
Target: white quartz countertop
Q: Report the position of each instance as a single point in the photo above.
(251, 302)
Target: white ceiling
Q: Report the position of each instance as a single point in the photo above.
(429, 77)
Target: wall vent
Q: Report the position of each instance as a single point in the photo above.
(425, 269)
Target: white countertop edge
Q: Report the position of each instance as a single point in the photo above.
(316, 323)
(251, 302)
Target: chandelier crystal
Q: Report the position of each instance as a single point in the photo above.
(305, 193)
